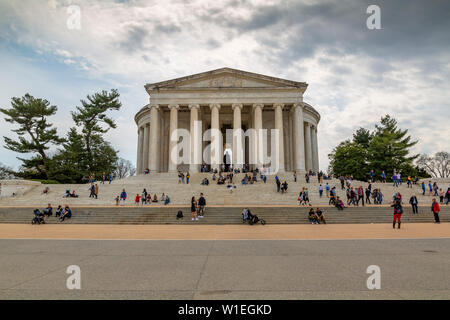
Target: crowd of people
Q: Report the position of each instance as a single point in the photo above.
(142, 199)
(61, 213)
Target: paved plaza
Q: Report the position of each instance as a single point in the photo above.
(218, 269)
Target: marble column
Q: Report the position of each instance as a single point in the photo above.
(140, 151)
(154, 139)
(299, 149)
(315, 148)
(216, 140)
(238, 151)
(279, 126)
(308, 147)
(196, 139)
(258, 142)
(145, 146)
(173, 138)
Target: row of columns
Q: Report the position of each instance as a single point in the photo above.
(303, 134)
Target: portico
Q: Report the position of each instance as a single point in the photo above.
(227, 99)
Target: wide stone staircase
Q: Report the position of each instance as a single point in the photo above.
(180, 194)
(222, 215)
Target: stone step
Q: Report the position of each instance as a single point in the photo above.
(217, 215)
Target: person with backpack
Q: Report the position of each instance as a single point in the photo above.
(398, 211)
(435, 209)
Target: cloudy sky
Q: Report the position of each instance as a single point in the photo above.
(355, 75)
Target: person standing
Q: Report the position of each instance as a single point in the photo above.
(435, 209)
(361, 195)
(194, 208)
(447, 196)
(423, 188)
(123, 196)
(103, 178)
(277, 180)
(398, 211)
(441, 196)
(413, 201)
(96, 191)
(320, 191)
(188, 176)
(201, 205)
(295, 176)
(372, 176)
(342, 180)
(110, 178)
(327, 190)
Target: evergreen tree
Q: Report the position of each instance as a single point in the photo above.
(363, 137)
(31, 114)
(389, 148)
(385, 149)
(349, 158)
(93, 119)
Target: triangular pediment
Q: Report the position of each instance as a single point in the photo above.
(225, 78)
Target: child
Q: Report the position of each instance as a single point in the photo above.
(117, 200)
(137, 200)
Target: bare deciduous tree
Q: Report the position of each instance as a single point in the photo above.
(124, 169)
(438, 165)
(5, 172)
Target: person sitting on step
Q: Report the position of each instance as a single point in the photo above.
(312, 217)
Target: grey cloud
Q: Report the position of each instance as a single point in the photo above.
(166, 28)
(134, 39)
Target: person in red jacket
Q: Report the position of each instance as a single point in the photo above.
(435, 209)
(398, 211)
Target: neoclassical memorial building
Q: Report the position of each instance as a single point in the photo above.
(226, 100)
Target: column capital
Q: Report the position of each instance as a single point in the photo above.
(258, 105)
(276, 105)
(237, 105)
(214, 105)
(194, 106)
(173, 106)
(307, 124)
(298, 104)
(156, 106)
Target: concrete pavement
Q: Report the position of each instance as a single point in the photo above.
(251, 269)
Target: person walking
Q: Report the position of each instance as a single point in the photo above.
(398, 211)
(92, 191)
(110, 178)
(423, 188)
(413, 201)
(367, 191)
(435, 209)
(320, 191)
